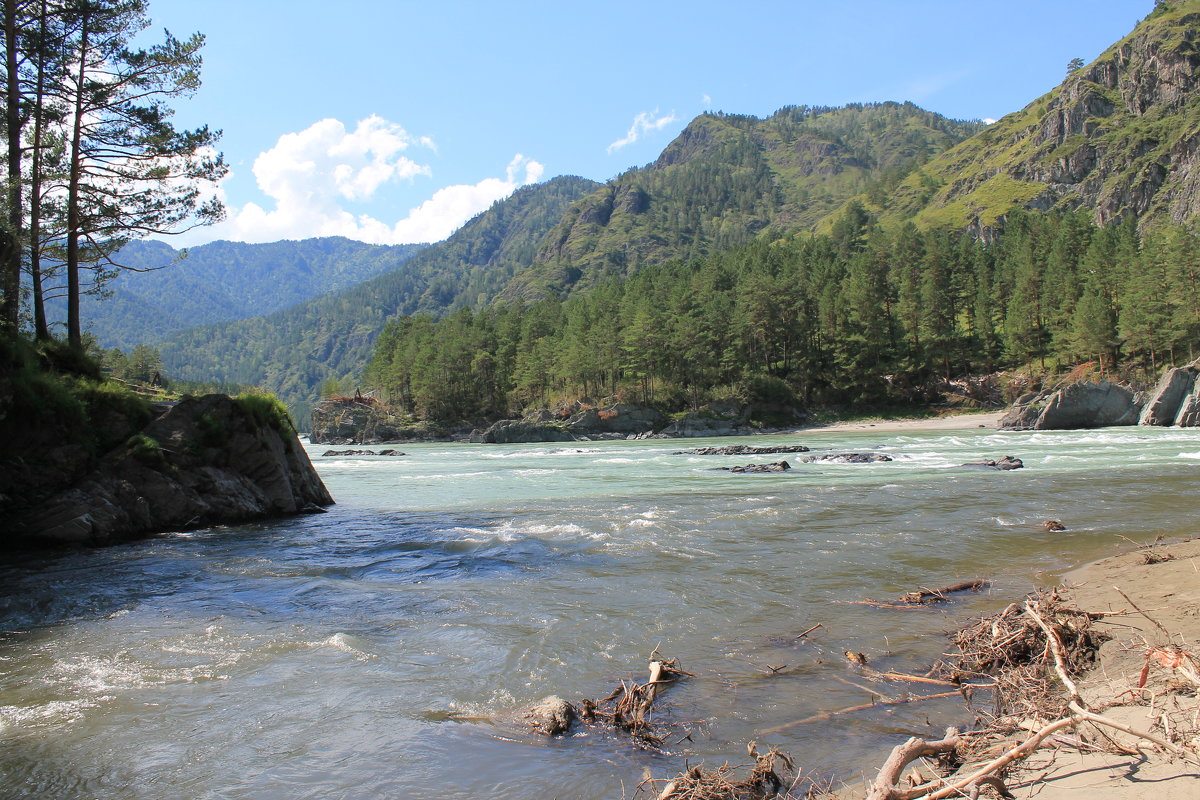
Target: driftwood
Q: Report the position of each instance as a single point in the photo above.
(924, 596)
(1066, 640)
(764, 780)
(628, 708)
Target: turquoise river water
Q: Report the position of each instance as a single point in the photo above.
(385, 649)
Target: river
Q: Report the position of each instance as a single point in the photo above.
(386, 648)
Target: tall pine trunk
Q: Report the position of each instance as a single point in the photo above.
(11, 251)
(74, 222)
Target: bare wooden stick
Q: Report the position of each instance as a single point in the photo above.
(840, 711)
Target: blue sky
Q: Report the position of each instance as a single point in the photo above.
(398, 121)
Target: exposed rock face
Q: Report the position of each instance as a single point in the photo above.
(1167, 400)
(206, 461)
(1077, 405)
(1115, 137)
(1189, 410)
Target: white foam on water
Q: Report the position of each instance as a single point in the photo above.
(56, 712)
(343, 643)
(534, 471)
(1190, 455)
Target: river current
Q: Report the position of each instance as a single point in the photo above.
(385, 649)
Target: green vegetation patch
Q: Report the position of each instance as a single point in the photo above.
(267, 409)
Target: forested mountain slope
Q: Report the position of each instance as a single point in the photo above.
(728, 177)
(1119, 137)
(165, 292)
(294, 350)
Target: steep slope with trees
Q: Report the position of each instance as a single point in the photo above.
(727, 178)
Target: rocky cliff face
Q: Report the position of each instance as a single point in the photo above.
(1117, 137)
(206, 461)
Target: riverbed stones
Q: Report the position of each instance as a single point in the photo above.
(386, 452)
(552, 715)
(742, 450)
(849, 458)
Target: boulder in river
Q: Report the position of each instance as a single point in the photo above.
(849, 458)
(1076, 405)
(1004, 463)
(778, 466)
(551, 715)
(742, 450)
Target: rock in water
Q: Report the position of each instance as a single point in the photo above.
(1168, 398)
(742, 450)
(1077, 405)
(849, 458)
(551, 715)
(207, 461)
(778, 466)
(1004, 464)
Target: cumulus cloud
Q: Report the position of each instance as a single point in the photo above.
(312, 174)
(645, 122)
(706, 100)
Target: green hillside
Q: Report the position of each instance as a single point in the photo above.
(1118, 137)
(726, 178)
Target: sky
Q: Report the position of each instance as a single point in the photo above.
(395, 121)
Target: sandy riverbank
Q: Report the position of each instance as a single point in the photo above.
(1169, 592)
(950, 422)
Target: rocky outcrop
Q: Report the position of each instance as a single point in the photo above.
(329, 453)
(617, 421)
(517, 431)
(365, 420)
(1166, 402)
(1077, 405)
(1189, 410)
(206, 461)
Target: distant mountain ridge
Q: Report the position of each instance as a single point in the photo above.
(167, 291)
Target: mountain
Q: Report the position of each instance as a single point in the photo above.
(727, 178)
(294, 350)
(167, 290)
(1119, 137)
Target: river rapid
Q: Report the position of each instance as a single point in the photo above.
(385, 649)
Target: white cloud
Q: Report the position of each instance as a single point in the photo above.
(309, 175)
(706, 100)
(643, 123)
(989, 121)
